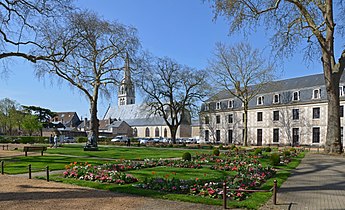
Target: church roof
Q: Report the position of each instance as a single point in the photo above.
(126, 112)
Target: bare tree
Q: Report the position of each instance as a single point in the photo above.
(172, 91)
(20, 26)
(98, 52)
(293, 21)
(243, 72)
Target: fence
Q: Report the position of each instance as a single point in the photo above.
(29, 170)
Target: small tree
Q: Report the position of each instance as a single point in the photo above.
(43, 115)
(97, 55)
(31, 124)
(243, 72)
(172, 91)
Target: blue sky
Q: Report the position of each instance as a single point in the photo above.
(181, 29)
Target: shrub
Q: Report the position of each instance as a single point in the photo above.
(275, 159)
(268, 149)
(286, 153)
(258, 151)
(81, 139)
(216, 152)
(187, 156)
(220, 147)
(292, 149)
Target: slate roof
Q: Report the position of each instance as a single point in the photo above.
(125, 112)
(152, 121)
(285, 88)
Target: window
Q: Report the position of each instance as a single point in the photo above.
(230, 136)
(230, 118)
(157, 132)
(296, 96)
(135, 132)
(260, 100)
(316, 135)
(341, 111)
(165, 132)
(316, 113)
(217, 135)
(259, 116)
(295, 114)
(276, 135)
(276, 98)
(231, 104)
(207, 120)
(218, 119)
(342, 91)
(147, 132)
(207, 135)
(207, 107)
(218, 105)
(316, 93)
(275, 115)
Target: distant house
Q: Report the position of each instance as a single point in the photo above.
(69, 119)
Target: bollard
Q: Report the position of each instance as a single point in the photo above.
(2, 167)
(29, 171)
(47, 169)
(3, 147)
(275, 192)
(224, 195)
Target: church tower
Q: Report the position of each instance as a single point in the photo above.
(126, 94)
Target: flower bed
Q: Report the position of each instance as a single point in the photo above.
(96, 173)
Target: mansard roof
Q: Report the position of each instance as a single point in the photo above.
(285, 88)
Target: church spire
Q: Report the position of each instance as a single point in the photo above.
(126, 93)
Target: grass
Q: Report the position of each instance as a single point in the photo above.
(60, 157)
(128, 153)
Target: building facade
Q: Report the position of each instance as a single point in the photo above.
(287, 112)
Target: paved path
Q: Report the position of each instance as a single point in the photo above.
(317, 183)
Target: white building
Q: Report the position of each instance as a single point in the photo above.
(289, 112)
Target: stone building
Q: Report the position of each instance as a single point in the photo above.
(286, 112)
(142, 121)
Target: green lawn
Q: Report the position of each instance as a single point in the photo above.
(59, 157)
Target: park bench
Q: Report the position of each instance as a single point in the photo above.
(34, 148)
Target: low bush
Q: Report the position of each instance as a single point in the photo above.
(258, 151)
(81, 139)
(275, 159)
(268, 149)
(216, 152)
(286, 153)
(187, 156)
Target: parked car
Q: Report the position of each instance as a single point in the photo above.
(120, 139)
(145, 140)
(190, 141)
(68, 139)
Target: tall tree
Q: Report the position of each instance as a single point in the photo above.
(20, 26)
(172, 91)
(10, 115)
(43, 115)
(293, 22)
(243, 72)
(99, 51)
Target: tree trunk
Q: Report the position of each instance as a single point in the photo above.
(94, 124)
(173, 132)
(245, 125)
(333, 140)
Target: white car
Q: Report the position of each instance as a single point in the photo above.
(120, 139)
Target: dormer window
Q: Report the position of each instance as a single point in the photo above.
(276, 98)
(296, 96)
(207, 107)
(260, 100)
(231, 104)
(317, 94)
(218, 105)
